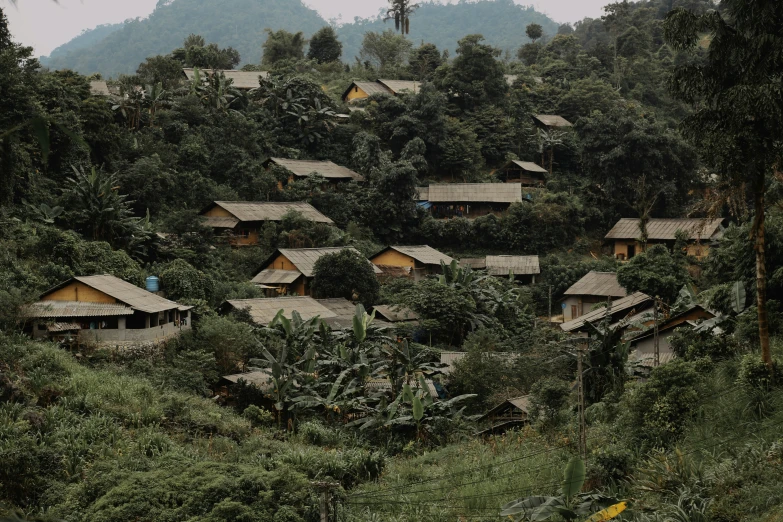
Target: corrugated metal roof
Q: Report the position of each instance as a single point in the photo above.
(451, 358)
(63, 327)
(517, 265)
(384, 385)
(54, 309)
(476, 263)
(241, 79)
(268, 211)
(263, 311)
(398, 86)
(327, 169)
(620, 306)
(219, 222)
(551, 120)
(369, 88)
(99, 88)
(665, 229)
(133, 296)
(394, 271)
(423, 254)
(529, 166)
(340, 306)
(648, 359)
(395, 314)
(261, 379)
(272, 276)
(422, 193)
(603, 284)
(475, 193)
(304, 258)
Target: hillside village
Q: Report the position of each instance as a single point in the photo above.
(409, 285)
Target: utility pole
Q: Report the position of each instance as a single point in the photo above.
(550, 304)
(656, 346)
(580, 383)
(325, 500)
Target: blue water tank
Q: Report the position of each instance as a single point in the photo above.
(153, 284)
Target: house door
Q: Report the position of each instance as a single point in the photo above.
(574, 312)
(631, 251)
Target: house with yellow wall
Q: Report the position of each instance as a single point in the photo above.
(300, 169)
(700, 233)
(105, 309)
(418, 261)
(290, 271)
(241, 221)
(359, 90)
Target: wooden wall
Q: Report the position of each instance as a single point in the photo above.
(77, 291)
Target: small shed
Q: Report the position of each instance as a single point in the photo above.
(595, 287)
(395, 314)
(470, 200)
(244, 219)
(303, 168)
(360, 90)
(551, 121)
(290, 270)
(523, 268)
(510, 413)
(633, 305)
(527, 173)
(242, 80)
(419, 260)
(701, 233)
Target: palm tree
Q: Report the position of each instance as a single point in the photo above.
(401, 11)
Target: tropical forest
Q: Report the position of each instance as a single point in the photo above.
(454, 262)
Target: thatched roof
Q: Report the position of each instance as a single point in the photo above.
(327, 169)
(517, 265)
(424, 254)
(665, 229)
(241, 79)
(99, 88)
(620, 308)
(550, 120)
(399, 86)
(54, 309)
(124, 292)
(263, 311)
(475, 193)
(245, 211)
(602, 284)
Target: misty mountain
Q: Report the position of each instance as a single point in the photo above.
(119, 48)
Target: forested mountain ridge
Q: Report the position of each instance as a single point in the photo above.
(118, 49)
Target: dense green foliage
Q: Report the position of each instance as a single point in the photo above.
(152, 431)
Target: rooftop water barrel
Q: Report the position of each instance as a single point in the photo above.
(153, 284)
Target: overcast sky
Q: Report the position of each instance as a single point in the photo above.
(44, 24)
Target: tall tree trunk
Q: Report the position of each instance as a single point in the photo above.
(761, 273)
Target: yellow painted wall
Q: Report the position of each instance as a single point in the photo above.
(218, 212)
(77, 291)
(355, 94)
(697, 250)
(281, 263)
(394, 258)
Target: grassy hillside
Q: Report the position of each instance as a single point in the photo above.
(118, 49)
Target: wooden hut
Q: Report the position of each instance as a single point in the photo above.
(624, 236)
(244, 219)
(527, 173)
(290, 270)
(510, 413)
(106, 309)
(524, 269)
(300, 169)
(418, 261)
(470, 200)
(593, 288)
(359, 90)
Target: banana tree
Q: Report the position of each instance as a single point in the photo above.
(404, 364)
(297, 333)
(570, 504)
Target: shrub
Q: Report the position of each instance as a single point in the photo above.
(547, 397)
(258, 416)
(691, 345)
